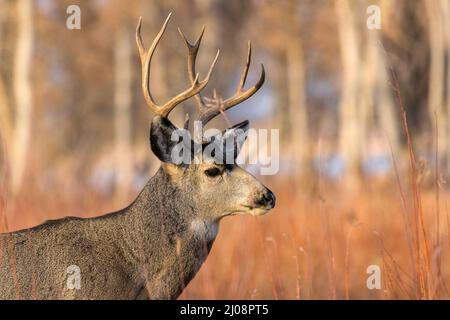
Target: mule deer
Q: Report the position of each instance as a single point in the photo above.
(155, 246)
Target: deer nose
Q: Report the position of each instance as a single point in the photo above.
(267, 199)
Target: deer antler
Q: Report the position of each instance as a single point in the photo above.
(217, 105)
(146, 57)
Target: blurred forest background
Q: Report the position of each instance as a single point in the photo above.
(364, 119)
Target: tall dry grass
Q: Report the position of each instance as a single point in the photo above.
(317, 243)
(294, 253)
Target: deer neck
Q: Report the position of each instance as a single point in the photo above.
(169, 240)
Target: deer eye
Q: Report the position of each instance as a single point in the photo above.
(213, 172)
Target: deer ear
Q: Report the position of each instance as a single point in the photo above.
(228, 145)
(164, 136)
(237, 133)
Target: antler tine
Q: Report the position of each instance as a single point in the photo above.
(146, 57)
(239, 96)
(192, 57)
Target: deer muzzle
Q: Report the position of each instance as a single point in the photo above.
(267, 200)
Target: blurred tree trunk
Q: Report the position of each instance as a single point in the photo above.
(445, 5)
(436, 106)
(5, 106)
(122, 114)
(297, 106)
(366, 100)
(350, 132)
(295, 70)
(22, 93)
(5, 118)
(386, 107)
(376, 85)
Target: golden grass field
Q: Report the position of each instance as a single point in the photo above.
(316, 244)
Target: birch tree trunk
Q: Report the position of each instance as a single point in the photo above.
(437, 112)
(295, 70)
(5, 107)
(22, 93)
(349, 135)
(5, 121)
(365, 102)
(122, 114)
(445, 5)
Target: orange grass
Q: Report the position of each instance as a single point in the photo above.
(238, 268)
(310, 246)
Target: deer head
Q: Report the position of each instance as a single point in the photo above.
(219, 188)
